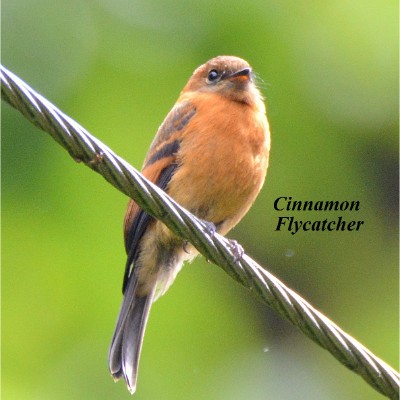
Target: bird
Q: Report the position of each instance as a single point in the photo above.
(210, 154)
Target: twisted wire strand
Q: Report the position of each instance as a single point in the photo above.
(85, 148)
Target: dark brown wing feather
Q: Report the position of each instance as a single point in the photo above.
(159, 166)
(166, 142)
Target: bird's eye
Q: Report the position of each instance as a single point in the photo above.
(213, 75)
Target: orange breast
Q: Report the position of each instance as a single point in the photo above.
(223, 157)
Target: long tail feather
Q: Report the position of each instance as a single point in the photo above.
(128, 336)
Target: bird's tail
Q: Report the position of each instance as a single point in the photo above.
(123, 359)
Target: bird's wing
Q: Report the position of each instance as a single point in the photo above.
(159, 166)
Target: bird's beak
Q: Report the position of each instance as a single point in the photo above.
(244, 74)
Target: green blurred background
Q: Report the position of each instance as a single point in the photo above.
(329, 72)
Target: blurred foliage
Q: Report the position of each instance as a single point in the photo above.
(329, 72)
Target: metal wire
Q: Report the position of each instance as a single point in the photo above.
(85, 148)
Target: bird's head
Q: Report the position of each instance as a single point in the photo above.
(228, 76)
